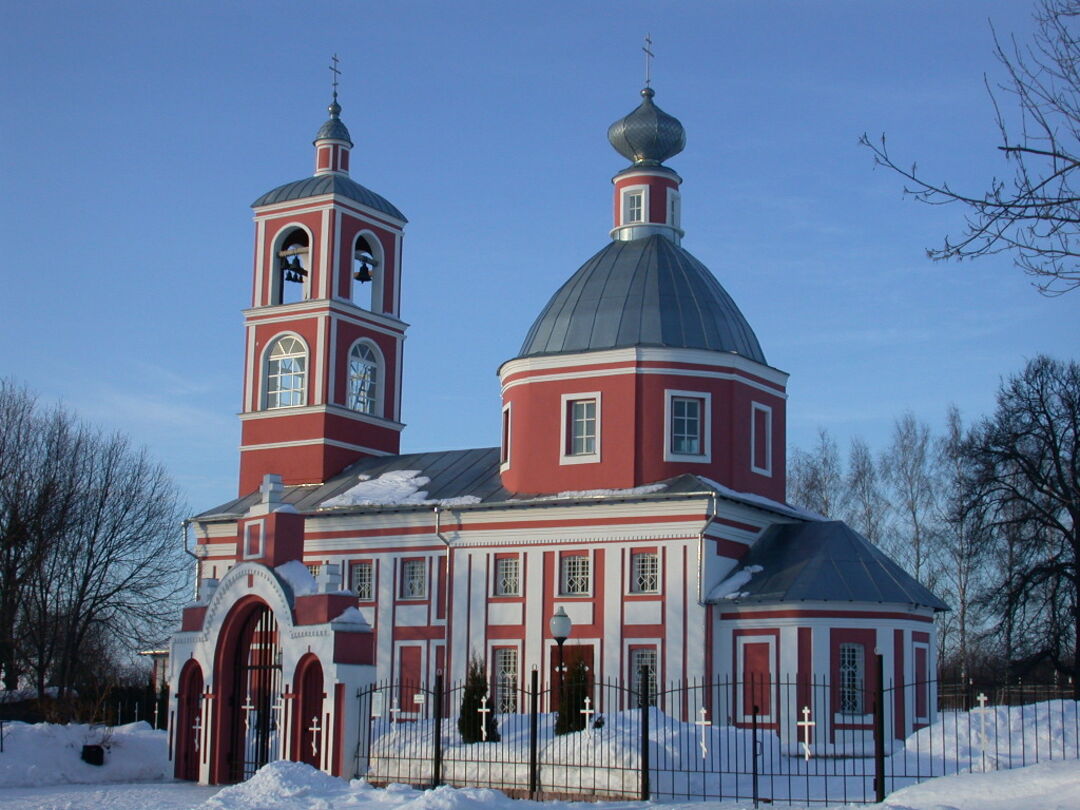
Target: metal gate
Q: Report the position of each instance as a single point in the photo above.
(256, 699)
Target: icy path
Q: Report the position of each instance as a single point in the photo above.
(159, 796)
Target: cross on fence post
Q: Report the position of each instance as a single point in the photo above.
(484, 711)
(248, 708)
(982, 700)
(395, 710)
(197, 728)
(806, 724)
(314, 729)
(588, 711)
(703, 724)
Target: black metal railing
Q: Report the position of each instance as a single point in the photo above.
(798, 741)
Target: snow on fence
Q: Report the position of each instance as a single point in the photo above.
(723, 740)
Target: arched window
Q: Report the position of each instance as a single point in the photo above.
(363, 379)
(367, 275)
(286, 373)
(293, 260)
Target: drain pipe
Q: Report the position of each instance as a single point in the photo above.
(198, 560)
(701, 548)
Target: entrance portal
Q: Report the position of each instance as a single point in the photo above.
(255, 699)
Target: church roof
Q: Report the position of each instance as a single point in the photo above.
(824, 561)
(647, 136)
(330, 183)
(644, 292)
(460, 478)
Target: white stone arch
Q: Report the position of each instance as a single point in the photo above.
(264, 368)
(368, 296)
(381, 406)
(277, 245)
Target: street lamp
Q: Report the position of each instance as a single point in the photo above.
(560, 626)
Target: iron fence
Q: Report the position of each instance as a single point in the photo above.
(798, 741)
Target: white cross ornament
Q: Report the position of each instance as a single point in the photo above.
(982, 700)
(588, 711)
(314, 729)
(484, 711)
(703, 724)
(806, 724)
(248, 708)
(394, 711)
(197, 728)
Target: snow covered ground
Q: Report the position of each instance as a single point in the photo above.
(40, 769)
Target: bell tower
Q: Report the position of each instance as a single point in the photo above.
(323, 335)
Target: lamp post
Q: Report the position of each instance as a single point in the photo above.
(560, 626)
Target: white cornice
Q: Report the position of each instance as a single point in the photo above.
(331, 408)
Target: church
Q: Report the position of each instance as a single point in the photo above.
(636, 497)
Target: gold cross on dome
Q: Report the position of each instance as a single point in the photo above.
(647, 47)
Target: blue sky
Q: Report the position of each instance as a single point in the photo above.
(136, 135)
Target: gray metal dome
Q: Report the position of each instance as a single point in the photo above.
(334, 129)
(645, 292)
(648, 136)
(329, 183)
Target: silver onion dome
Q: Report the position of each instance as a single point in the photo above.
(334, 129)
(648, 136)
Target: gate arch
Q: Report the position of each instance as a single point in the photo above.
(310, 732)
(247, 670)
(189, 722)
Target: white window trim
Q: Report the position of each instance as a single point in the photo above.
(353, 566)
(277, 283)
(631, 578)
(402, 595)
(706, 426)
(495, 576)
(674, 207)
(380, 377)
(264, 375)
(754, 408)
(493, 674)
(626, 192)
(915, 717)
(564, 594)
(564, 436)
(378, 271)
(261, 524)
(507, 426)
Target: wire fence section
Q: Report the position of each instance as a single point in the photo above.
(798, 742)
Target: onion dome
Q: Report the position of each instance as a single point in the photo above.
(643, 292)
(334, 129)
(647, 136)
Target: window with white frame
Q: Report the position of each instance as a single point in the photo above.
(852, 676)
(286, 373)
(363, 379)
(761, 439)
(643, 673)
(581, 424)
(504, 450)
(506, 680)
(633, 207)
(313, 568)
(363, 580)
(686, 426)
(673, 207)
(507, 577)
(574, 576)
(413, 579)
(687, 416)
(644, 572)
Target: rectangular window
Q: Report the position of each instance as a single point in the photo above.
(504, 452)
(633, 207)
(852, 676)
(314, 568)
(507, 581)
(574, 577)
(363, 580)
(506, 680)
(645, 572)
(673, 207)
(686, 427)
(643, 673)
(761, 439)
(581, 440)
(414, 579)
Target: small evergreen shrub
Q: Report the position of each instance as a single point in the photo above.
(470, 719)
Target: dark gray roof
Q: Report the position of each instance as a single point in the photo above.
(645, 292)
(648, 135)
(333, 130)
(321, 184)
(825, 561)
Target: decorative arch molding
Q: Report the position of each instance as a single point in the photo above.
(276, 292)
(378, 272)
(263, 382)
(380, 407)
(244, 580)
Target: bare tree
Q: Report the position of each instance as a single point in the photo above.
(1026, 460)
(866, 507)
(1035, 215)
(815, 480)
(907, 466)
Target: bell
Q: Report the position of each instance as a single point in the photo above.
(294, 271)
(363, 273)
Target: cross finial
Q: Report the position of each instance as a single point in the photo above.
(647, 47)
(334, 70)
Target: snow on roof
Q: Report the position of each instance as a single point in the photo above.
(571, 494)
(393, 488)
(730, 588)
(761, 500)
(298, 576)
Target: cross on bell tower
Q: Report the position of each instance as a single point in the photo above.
(324, 336)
